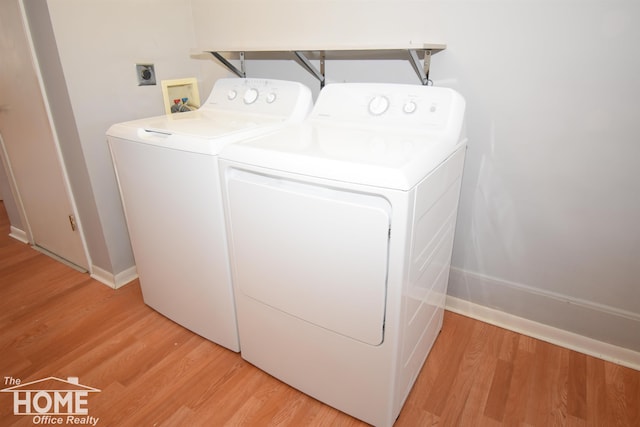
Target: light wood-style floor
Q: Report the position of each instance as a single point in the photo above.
(57, 322)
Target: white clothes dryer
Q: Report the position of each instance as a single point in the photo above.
(341, 231)
(167, 172)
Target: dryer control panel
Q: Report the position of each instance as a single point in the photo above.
(405, 106)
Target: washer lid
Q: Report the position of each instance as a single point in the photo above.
(382, 157)
(236, 109)
(208, 124)
(200, 131)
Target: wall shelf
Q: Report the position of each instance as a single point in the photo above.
(418, 55)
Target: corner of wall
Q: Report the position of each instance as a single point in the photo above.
(114, 281)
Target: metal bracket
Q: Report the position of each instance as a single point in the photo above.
(422, 71)
(310, 68)
(421, 67)
(242, 72)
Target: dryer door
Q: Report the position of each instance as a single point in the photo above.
(316, 253)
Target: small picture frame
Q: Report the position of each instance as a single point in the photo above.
(180, 95)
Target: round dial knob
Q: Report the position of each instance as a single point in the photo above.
(250, 96)
(271, 98)
(378, 105)
(231, 95)
(409, 107)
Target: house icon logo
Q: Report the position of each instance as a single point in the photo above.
(52, 400)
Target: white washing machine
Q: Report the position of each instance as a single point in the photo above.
(340, 232)
(167, 171)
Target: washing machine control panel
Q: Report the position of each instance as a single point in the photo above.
(260, 96)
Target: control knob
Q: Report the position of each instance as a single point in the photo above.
(409, 107)
(250, 96)
(378, 105)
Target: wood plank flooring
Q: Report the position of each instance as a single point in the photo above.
(55, 321)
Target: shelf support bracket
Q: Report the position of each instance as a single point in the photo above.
(242, 72)
(422, 71)
(304, 61)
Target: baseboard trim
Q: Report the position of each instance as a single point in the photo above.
(570, 340)
(114, 281)
(19, 235)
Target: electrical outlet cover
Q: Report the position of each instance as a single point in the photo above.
(146, 74)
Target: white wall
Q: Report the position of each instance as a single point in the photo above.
(548, 228)
(99, 43)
